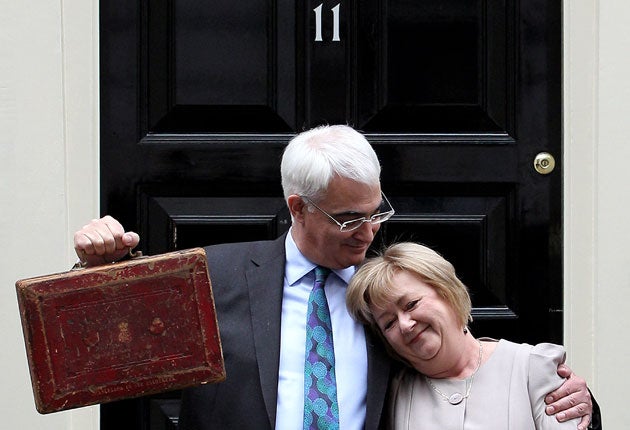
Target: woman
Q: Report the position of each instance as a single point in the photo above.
(412, 297)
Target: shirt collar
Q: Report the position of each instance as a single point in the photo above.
(297, 265)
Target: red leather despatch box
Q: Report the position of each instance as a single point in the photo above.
(121, 330)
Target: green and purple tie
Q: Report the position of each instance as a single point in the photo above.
(321, 410)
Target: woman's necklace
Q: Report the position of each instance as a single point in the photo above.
(457, 398)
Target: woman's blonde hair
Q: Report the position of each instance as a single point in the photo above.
(373, 283)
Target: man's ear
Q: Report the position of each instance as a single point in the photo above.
(296, 207)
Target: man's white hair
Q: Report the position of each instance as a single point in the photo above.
(316, 156)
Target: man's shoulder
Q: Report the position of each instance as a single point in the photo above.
(230, 261)
(240, 250)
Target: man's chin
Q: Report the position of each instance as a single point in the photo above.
(356, 258)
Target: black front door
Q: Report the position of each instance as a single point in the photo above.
(458, 97)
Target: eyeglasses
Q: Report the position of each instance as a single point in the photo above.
(354, 224)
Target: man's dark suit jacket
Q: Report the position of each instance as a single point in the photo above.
(247, 282)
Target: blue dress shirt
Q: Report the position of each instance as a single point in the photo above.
(348, 337)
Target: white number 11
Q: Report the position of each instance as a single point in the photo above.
(318, 23)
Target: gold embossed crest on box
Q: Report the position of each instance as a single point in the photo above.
(121, 330)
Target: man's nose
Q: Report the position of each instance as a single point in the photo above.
(367, 231)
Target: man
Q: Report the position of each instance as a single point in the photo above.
(331, 182)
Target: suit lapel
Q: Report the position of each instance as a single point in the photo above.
(265, 280)
(379, 366)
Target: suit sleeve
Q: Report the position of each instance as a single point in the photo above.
(596, 418)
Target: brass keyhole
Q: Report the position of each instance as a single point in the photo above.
(544, 163)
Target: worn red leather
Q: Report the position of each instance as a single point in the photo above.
(122, 330)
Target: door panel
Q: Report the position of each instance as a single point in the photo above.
(200, 78)
(198, 100)
(434, 67)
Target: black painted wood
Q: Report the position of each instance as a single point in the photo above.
(199, 98)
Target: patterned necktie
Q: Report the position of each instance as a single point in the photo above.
(321, 410)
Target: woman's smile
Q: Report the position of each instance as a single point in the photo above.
(417, 337)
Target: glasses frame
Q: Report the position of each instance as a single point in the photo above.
(377, 218)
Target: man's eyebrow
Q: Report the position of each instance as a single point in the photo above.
(348, 213)
(360, 214)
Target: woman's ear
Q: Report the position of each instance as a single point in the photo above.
(296, 207)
